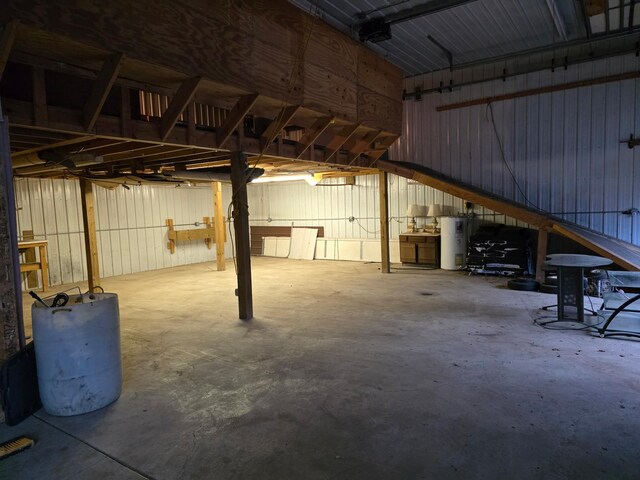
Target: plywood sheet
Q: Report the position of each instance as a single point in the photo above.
(303, 243)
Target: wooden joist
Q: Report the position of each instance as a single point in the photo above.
(100, 89)
(178, 103)
(313, 133)
(283, 118)
(338, 140)
(235, 118)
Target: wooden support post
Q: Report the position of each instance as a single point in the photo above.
(218, 224)
(11, 325)
(543, 240)
(171, 244)
(241, 227)
(90, 236)
(385, 266)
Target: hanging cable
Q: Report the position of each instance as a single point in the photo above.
(504, 158)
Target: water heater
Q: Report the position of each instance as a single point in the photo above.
(453, 237)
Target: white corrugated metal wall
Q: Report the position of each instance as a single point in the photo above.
(565, 148)
(331, 204)
(132, 234)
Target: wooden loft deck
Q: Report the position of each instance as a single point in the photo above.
(177, 86)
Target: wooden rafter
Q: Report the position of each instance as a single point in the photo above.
(100, 89)
(361, 144)
(6, 43)
(338, 140)
(311, 134)
(275, 127)
(235, 117)
(178, 103)
(379, 149)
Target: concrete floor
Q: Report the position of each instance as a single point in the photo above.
(345, 373)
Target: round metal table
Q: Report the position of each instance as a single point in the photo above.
(570, 282)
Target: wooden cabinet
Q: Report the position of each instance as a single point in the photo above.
(420, 248)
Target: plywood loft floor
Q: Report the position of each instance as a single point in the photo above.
(346, 373)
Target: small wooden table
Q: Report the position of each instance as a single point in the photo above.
(41, 264)
(420, 248)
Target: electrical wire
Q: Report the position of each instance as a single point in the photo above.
(297, 61)
(504, 158)
(545, 325)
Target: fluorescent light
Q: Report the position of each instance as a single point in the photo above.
(283, 178)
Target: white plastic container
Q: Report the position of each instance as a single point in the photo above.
(453, 240)
(78, 353)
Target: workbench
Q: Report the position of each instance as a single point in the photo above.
(41, 264)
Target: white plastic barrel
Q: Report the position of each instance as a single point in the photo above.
(78, 353)
(453, 244)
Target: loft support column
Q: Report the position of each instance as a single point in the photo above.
(90, 236)
(218, 224)
(11, 324)
(541, 255)
(385, 266)
(241, 228)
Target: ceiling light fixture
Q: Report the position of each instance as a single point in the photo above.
(284, 178)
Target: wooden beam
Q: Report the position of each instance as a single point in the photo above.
(275, 127)
(100, 90)
(39, 97)
(540, 91)
(541, 256)
(243, 238)
(218, 224)
(179, 102)
(235, 117)
(338, 140)
(312, 133)
(6, 43)
(385, 266)
(90, 236)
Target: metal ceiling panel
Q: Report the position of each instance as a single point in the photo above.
(473, 31)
